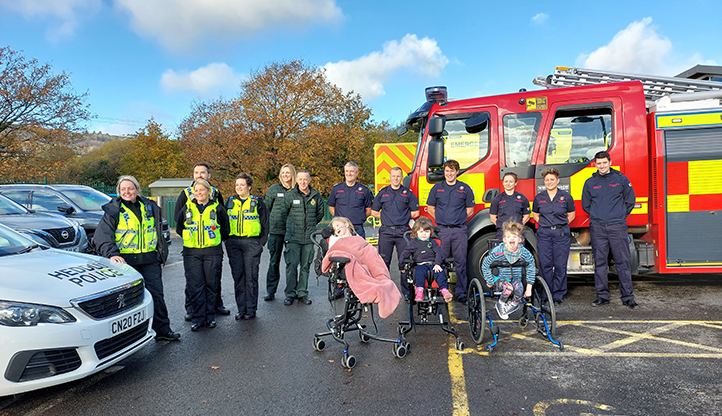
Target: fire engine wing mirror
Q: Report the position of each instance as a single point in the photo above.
(436, 126)
(403, 130)
(436, 153)
(477, 124)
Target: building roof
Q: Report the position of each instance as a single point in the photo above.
(702, 72)
(171, 183)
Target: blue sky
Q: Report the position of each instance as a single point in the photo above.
(152, 58)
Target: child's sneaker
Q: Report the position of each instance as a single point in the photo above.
(447, 295)
(514, 306)
(419, 294)
(504, 309)
(501, 310)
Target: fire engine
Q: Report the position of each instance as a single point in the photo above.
(664, 134)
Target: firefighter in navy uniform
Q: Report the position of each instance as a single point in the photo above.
(130, 232)
(553, 210)
(201, 171)
(609, 198)
(248, 219)
(451, 203)
(351, 199)
(395, 205)
(203, 223)
(509, 205)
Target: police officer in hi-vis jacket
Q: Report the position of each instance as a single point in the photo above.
(201, 171)
(248, 219)
(131, 232)
(203, 223)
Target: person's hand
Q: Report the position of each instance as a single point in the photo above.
(117, 259)
(527, 292)
(437, 268)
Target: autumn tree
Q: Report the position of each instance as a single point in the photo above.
(100, 165)
(33, 102)
(152, 155)
(286, 112)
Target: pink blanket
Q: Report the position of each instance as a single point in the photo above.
(366, 273)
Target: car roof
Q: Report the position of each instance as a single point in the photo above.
(57, 187)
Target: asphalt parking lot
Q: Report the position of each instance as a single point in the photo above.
(662, 358)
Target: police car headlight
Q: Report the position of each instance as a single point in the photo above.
(28, 314)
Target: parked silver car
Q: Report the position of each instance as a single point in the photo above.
(47, 229)
(77, 202)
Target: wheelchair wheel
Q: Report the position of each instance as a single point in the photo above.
(348, 361)
(319, 344)
(542, 300)
(477, 310)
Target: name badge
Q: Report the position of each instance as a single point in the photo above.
(279, 195)
(296, 202)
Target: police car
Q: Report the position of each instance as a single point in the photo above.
(64, 315)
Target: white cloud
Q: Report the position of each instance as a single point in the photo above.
(180, 24)
(366, 75)
(204, 81)
(67, 13)
(636, 49)
(540, 18)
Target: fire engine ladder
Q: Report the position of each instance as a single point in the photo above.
(654, 87)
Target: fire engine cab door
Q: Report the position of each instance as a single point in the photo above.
(693, 182)
(478, 159)
(575, 132)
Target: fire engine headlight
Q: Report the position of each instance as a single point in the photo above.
(28, 314)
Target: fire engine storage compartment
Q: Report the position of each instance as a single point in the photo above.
(692, 188)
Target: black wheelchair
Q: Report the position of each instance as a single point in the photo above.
(539, 308)
(352, 311)
(433, 303)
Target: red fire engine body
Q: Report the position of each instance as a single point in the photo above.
(671, 152)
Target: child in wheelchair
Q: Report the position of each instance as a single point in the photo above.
(502, 270)
(425, 252)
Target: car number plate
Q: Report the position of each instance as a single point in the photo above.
(127, 322)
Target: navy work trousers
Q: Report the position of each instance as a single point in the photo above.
(202, 284)
(360, 230)
(605, 238)
(219, 301)
(154, 283)
(388, 239)
(553, 248)
(454, 243)
(244, 255)
(275, 249)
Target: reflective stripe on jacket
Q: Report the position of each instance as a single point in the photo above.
(134, 236)
(243, 216)
(201, 230)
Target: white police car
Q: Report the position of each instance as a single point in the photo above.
(63, 315)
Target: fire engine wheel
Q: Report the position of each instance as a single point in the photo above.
(477, 253)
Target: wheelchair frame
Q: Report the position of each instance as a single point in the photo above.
(433, 303)
(539, 309)
(349, 319)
